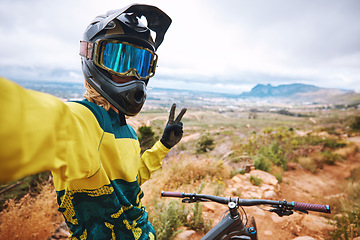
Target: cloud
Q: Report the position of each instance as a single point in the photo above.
(219, 45)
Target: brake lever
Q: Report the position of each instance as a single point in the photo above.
(187, 200)
(281, 212)
(192, 200)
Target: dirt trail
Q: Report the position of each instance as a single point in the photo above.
(301, 186)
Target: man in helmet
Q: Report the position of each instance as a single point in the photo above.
(93, 154)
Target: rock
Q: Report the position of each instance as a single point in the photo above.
(315, 223)
(304, 238)
(61, 232)
(256, 195)
(210, 206)
(239, 178)
(185, 235)
(267, 178)
(270, 194)
(249, 168)
(268, 233)
(266, 187)
(276, 219)
(292, 165)
(295, 229)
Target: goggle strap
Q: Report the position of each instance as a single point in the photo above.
(86, 49)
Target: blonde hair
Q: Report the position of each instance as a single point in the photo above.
(93, 96)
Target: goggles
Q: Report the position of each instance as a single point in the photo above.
(120, 58)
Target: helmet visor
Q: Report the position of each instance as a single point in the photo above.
(124, 59)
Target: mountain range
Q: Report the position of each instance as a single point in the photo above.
(298, 92)
(261, 91)
(290, 93)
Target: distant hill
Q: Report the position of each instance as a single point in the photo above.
(261, 91)
(300, 92)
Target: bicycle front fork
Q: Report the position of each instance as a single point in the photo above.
(232, 227)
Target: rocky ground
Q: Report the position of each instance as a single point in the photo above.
(297, 185)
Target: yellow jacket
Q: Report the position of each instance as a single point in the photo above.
(95, 162)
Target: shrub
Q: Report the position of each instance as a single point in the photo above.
(347, 210)
(278, 177)
(354, 175)
(255, 180)
(274, 148)
(197, 222)
(308, 164)
(262, 163)
(16, 190)
(183, 172)
(204, 144)
(330, 158)
(355, 124)
(347, 226)
(167, 218)
(146, 137)
(31, 217)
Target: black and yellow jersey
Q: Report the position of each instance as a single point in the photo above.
(96, 163)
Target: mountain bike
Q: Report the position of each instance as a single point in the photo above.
(235, 224)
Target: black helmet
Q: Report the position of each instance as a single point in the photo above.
(119, 43)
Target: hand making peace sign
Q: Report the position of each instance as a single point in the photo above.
(173, 131)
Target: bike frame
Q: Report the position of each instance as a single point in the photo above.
(231, 227)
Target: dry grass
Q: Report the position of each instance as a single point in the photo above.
(183, 173)
(31, 218)
(308, 164)
(349, 151)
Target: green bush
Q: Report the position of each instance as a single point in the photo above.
(330, 158)
(262, 163)
(255, 180)
(204, 144)
(168, 218)
(347, 210)
(146, 137)
(347, 226)
(274, 148)
(197, 222)
(355, 124)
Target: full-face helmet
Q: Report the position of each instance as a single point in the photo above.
(119, 43)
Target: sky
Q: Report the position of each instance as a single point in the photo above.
(226, 46)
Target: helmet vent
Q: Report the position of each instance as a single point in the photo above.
(110, 25)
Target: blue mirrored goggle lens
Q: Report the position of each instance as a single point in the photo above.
(121, 57)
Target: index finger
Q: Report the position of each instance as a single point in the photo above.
(172, 112)
(181, 114)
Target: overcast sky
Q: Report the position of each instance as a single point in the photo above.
(220, 46)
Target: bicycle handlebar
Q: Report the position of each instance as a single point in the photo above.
(192, 197)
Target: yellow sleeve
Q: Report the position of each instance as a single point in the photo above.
(151, 160)
(39, 132)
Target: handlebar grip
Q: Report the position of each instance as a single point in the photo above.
(172, 194)
(311, 207)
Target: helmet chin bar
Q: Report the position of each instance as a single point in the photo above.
(127, 97)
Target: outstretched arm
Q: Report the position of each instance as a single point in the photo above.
(39, 132)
